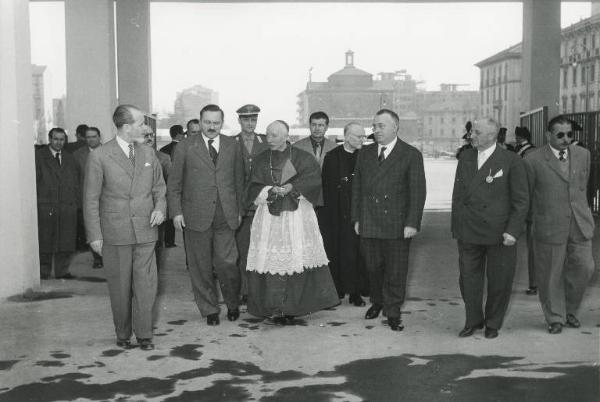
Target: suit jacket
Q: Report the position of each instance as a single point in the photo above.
(260, 145)
(57, 199)
(483, 208)
(195, 183)
(390, 196)
(119, 198)
(556, 197)
(305, 145)
(168, 149)
(80, 156)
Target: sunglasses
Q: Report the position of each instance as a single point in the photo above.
(561, 135)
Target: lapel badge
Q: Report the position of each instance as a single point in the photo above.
(489, 178)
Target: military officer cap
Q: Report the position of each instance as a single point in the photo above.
(248, 110)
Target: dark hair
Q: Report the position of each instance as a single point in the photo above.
(501, 138)
(287, 127)
(80, 130)
(523, 132)
(176, 130)
(560, 119)
(56, 130)
(94, 129)
(319, 115)
(390, 113)
(212, 108)
(123, 115)
(193, 121)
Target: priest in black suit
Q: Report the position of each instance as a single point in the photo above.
(177, 135)
(341, 242)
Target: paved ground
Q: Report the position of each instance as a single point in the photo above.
(63, 348)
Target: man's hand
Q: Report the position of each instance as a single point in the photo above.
(508, 240)
(356, 229)
(156, 218)
(239, 219)
(409, 232)
(178, 222)
(96, 245)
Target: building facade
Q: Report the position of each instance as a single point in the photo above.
(189, 102)
(42, 104)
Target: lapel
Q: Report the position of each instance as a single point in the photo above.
(223, 148)
(117, 154)
(259, 145)
(491, 166)
(51, 162)
(140, 159)
(200, 148)
(390, 161)
(554, 163)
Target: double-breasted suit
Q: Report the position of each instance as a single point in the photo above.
(386, 197)
(562, 227)
(486, 203)
(242, 235)
(58, 195)
(119, 198)
(209, 196)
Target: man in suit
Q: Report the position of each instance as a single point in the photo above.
(204, 194)
(79, 139)
(193, 127)
(388, 195)
(58, 195)
(489, 205)
(563, 225)
(124, 202)
(92, 139)
(341, 242)
(177, 135)
(251, 145)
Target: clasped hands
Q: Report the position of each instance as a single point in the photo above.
(409, 231)
(282, 191)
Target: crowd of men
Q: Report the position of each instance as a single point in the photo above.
(290, 229)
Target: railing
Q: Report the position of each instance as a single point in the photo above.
(536, 121)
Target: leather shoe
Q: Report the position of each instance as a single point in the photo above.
(491, 333)
(97, 265)
(289, 320)
(233, 315)
(468, 331)
(555, 328)
(395, 323)
(356, 300)
(170, 245)
(532, 291)
(213, 319)
(67, 276)
(572, 321)
(373, 311)
(145, 343)
(123, 343)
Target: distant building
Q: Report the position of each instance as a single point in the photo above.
(189, 102)
(58, 111)
(42, 104)
(351, 94)
(444, 114)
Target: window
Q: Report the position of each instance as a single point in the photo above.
(442, 120)
(583, 77)
(592, 75)
(593, 40)
(574, 76)
(573, 103)
(564, 104)
(564, 78)
(505, 91)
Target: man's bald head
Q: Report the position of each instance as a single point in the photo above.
(277, 134)
(485, 133)
(354, 136)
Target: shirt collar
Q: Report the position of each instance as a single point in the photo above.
(556, 152)
(347, 150)
(487, 152)
(53, 151)
(388, 147)
(215, 143)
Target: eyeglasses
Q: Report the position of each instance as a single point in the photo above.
(561, 135)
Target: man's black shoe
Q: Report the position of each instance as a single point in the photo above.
(532, 291)
(145, 343)
(123, 343)
(233, 315)
(555, 328)
(572, 321)
(213, 319)
(356, 300)
(67, 276)
(395, 323)
(491, 333)
(468, 331)
(170, 245)
(289, 320)
(373, 311)
(97, 265)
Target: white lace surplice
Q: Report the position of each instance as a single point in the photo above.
(285, 244)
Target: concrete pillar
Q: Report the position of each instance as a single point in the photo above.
(19, 261)
(595, 7)
(91, 71)
(133, 53)
(541, 55)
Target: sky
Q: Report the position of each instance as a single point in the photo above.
(261, 53)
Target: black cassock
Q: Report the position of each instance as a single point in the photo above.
(340, 241)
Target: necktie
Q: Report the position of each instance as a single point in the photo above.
(318, 150)
(381, 156)
(57, 157)
(561, 155)
(131, 155)
(248, 143)
(212, 151)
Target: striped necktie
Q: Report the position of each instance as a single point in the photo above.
(131, 155)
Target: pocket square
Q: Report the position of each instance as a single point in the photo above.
(146, 164)
(499, 173)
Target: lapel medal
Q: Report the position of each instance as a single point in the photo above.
(489, 178)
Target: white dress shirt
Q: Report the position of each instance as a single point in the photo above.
(556, 153)
(483, 156)
(56, 152)
(216, 141)
(388, 148)
(125, 146)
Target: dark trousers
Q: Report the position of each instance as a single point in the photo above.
(347, 266)
(132, 281)
(80, 239)
(214, 247)
(530, 261)
(497, 263)
(387, 264)
(242, 238)
(169, 229)
(60, 260)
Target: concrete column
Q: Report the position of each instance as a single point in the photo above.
(133, 53)
(91, 71)
(541, 55)
(595, 7)
(19, 261)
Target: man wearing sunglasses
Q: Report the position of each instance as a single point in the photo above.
(562, 224)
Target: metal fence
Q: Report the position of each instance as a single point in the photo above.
(589, 136)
